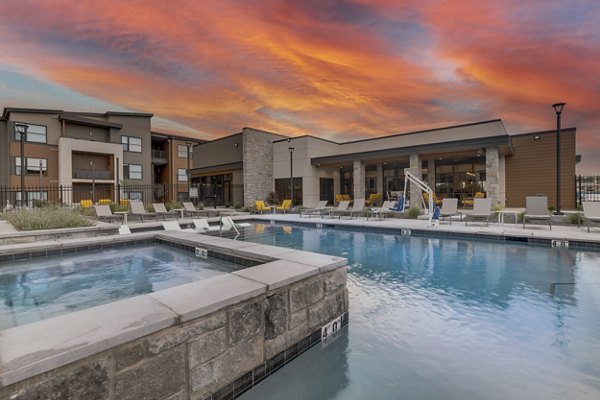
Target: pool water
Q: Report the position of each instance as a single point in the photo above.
(449, 319)
(40, 289)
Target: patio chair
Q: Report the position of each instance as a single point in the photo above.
(343, 206)
(591, 212)
(536, 209)
(285, 206)
(374, 199)
(387, 208)
(358, 207)
(174, 226)
(260, 206)
(137, 208)
(160, 209)
(190, 210)
(201, 225)
(470, 201)
(318, 210)
(104, 212)
(482, 209)
(449, 209)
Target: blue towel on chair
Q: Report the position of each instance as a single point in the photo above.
(399, 205)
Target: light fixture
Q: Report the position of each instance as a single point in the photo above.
(236, 145)
(537, 137)
(558, 107)
(479, 152)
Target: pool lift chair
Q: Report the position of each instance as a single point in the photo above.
(429, 205)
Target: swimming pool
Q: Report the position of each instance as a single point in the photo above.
(451, 319)
(47, 287)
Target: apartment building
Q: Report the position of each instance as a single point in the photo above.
(71, 156)
(456, 161)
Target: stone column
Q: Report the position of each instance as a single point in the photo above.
(501, 180)
(358, 179)
(492, 174)
(415, 169)
(380, 188)
(431, 174)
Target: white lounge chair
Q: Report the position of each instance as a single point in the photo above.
(317, 210)
(449, 209)
(343, 206)
(104, 212)
(137, 208)
(387, 208)
(482, 209)
(201, 225)
(190, 210)
(160, 209)
(536, 209)
(358, 207)
(591, 212)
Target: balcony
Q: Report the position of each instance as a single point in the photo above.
(92, 174)
(159, 157)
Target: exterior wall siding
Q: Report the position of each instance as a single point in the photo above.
(531, 170)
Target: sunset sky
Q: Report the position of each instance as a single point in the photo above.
(335, 69)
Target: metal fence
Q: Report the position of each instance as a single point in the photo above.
(587, 188)
(35, 196)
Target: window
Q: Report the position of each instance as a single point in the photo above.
(33, 166)
(132, 171)
(133, 196)
(35, 133)
(182, 175)
(182, 151)
(132, 144)
(32, 198)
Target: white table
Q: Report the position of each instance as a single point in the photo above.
(503, 212)
(124, 214)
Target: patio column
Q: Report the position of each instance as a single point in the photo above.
(415, 169)
(380, 188)
(358, 179)
(494, 175)
(431, 174)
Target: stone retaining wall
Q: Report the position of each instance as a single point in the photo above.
(220, 335)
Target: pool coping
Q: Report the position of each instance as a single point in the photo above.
(32, 349)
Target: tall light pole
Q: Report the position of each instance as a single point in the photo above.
(93, 183)
(189, 175)
(22, 129)
(291, 149)
(558, 107)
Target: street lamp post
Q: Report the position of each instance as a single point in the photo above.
(291, 149)
(189, 175)
(22, 129)
(558, 107)
(93, 183)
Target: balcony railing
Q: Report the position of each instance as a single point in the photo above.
(91, 174)
(158, 154)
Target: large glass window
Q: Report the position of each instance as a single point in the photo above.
(132, 144)
(34, 165)
(182, 175)
(326, 190)
(393, 176)
(460, 180)
(282, 188)
(182, 151)
(35, 133)
(132, 171)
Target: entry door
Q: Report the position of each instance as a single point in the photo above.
(326, 190)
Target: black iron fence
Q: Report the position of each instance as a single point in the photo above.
(99, 193)
(587, 188)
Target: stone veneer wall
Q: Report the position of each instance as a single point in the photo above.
(199, 357)
(258, 164)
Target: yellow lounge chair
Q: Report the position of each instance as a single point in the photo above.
(260, 206)
(285, 206)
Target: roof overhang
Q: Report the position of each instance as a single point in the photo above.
(218, 168)
(88, 121)
(503, 143)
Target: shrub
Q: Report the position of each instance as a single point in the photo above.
(50, 217)
(200, 206)
(238, 206)
(521, 216)
(172, 205)
(115, 207)
(272, 198)
(575, 218)
(87, 212)
(413, 213)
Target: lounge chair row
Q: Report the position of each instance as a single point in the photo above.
(137, 209)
